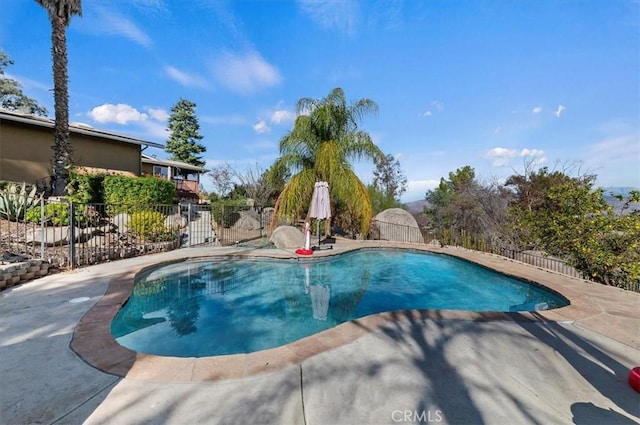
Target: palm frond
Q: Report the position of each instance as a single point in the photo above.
(64, 9)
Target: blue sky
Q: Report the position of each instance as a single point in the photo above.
(487, 83)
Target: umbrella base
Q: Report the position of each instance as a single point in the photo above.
(321, 248)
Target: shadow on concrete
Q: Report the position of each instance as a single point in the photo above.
(606, 374)
(590, 414)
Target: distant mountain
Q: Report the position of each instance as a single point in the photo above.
(609, 196)
(609, 193)
(622, 190)
(415, 206)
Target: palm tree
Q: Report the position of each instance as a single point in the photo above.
(324, 139)
(60, 13)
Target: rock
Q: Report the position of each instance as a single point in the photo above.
(247, 221)
(287, 237)
(175, 222)
(121, 221)
(9, 257)
(396, 224)
(53, 236)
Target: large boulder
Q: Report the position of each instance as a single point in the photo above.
(396, 224)
(287, 237)
(53, 236)
(175, 222)
(121, 221)
(248, 221)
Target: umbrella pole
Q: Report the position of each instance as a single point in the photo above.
(318, 224)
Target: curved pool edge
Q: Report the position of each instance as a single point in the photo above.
(92, 340)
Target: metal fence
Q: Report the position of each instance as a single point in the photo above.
(69, 235)
(402, 233)
(381, 230)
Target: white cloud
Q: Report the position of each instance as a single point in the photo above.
(559, 111)
(341, 15)
(120, 113)
(282, 116)
(278, 116)
(434, 105)
(500, 156)
(245, 74)
(186, 79)
(115, 24)
(261, 127)
(531, 152)
(503, 156)
(150, 124)
(153, 122)
(157, 114)
(536, 110)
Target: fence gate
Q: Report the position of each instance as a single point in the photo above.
(200, 229)
(224, 224)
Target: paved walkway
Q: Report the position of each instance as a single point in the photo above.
(564, 366)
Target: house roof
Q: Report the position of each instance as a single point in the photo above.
(169, 163)
(74, 128)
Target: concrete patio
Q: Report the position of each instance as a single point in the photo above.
(563, 366)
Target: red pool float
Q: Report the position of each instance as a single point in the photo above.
(303, 251)
(634, 378)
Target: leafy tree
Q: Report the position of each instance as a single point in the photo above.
(325, 137)
(277, 177)
(11, 96)
(184, 127)
(60, 13)
(567, 217)
(389, 183)
(381, 201)
(462, 203)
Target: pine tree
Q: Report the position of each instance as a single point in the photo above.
(185, 134)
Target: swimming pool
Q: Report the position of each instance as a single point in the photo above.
(224, 305)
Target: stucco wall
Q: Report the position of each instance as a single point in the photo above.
(25, 153)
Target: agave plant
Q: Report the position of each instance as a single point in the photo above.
(15, 200)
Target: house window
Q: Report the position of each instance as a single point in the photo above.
(161, 172)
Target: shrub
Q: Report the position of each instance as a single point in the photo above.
(225, 212)
(149, 225)
(15, 200)
(86, 188)
(128, 194)
(56, 214)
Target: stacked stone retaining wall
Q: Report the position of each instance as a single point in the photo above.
(17, 273)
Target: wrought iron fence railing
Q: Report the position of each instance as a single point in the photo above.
(403, 233)
(68, 234)
(382, 230)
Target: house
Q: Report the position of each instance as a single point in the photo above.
(26, 151)
(186, 177)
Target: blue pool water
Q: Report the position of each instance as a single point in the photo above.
(230, 305)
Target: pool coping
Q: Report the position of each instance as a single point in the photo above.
(92, 340)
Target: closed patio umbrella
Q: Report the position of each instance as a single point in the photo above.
(320, 208)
